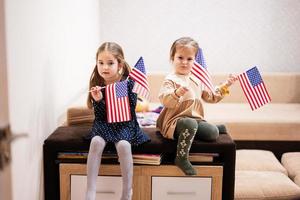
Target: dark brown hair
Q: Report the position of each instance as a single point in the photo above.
(95, 78)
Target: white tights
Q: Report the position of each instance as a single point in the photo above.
(94, 161)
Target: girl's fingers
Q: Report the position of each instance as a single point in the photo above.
(95, 89)
(185, 88)
(233, 77)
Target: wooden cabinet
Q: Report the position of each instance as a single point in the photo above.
(107, 187)
(149, 182)
(69, 175)
(191, 188)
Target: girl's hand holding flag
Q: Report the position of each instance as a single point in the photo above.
(96, 93)
(224, 88)
(231, 79)
(180, 91)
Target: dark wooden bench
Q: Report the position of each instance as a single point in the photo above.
(71, 138)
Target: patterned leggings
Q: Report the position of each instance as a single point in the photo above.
(205, 130)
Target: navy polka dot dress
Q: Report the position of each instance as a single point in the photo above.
(114, 132)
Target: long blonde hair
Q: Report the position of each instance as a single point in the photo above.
(96, 79)
(183, 42)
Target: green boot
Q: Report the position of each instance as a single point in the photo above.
(185, 140)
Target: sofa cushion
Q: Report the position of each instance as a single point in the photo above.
(291, 162)
(80, 115)
(260, 185)
(258, 160)
(270, 122)
(241, 122)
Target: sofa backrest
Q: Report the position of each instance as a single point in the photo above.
(282, 87)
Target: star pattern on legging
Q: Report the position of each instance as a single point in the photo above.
(183, 143)
(182, 152)
(186, 133)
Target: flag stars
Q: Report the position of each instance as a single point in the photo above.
(254, 76)
(200, 58)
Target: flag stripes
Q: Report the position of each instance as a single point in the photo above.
(199, 70)
(142, 91)
(254, 88)
(138, 75)
(203, 75)
(117, 103)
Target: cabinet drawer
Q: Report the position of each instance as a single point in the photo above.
(181, 188)
(108, 187)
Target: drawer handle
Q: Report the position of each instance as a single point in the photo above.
(182, 193)
(105, 192)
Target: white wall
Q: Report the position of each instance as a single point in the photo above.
(234, 34)
(3, 72)
(51, 48)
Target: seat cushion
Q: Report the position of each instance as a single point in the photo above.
(269, 122)
(80, 116)
(258, 185)
(258, 160)
(73, 138)
(291, 162)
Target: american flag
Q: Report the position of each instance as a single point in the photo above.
(199, 70)
(254, 88)
(117, 102)
(138, 74)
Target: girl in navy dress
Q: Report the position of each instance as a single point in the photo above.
(111, 68)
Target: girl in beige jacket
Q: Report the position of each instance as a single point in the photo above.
(182, 117)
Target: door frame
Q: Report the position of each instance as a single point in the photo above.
(5, 171)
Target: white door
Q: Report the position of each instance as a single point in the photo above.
(5, 169)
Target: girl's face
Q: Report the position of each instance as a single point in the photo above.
(108, 67)
(183, 60)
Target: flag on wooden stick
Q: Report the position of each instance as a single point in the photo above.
(254, 88)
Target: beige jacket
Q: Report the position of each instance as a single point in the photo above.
(189, 105)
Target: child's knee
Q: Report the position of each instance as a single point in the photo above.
(123, 146)
(214, 134)
(97, 144)
(208, 133)
(187, 123)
